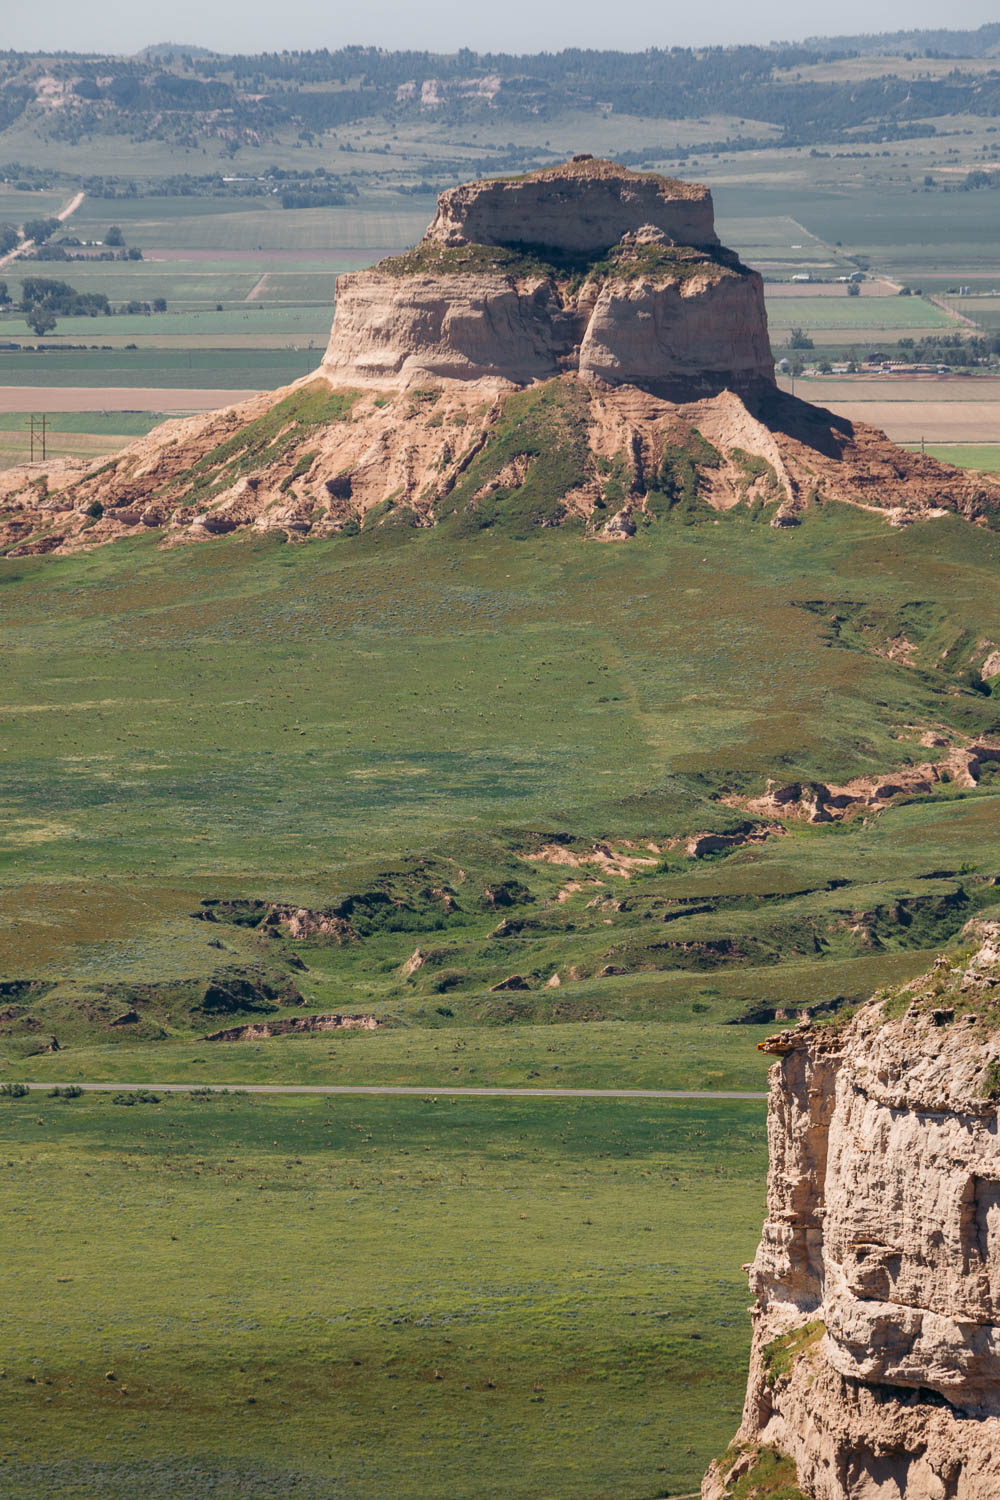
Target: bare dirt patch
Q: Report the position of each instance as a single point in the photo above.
(20, 398)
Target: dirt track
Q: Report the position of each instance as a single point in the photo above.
(444, 1090)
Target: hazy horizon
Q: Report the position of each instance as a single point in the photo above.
(111, 26)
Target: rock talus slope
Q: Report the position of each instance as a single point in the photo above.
(875, 1367)
(571, 347)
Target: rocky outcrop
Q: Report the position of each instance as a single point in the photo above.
(819, 802)
(876, 1331)
(583, 206)
(683, 326)
(570, 346)
(260, 1031)
(615, 275)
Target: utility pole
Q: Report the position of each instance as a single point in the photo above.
(38, 432)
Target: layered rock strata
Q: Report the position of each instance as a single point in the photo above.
(570, 347)
(616, 275)
(876, 1331)
(583, 206)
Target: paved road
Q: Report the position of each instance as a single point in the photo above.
(381, 1088)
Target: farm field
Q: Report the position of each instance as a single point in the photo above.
(197, 368)
(902, 233)
(381, 220)
(377, 1296)
(855, 314)
(908, 422)
(17, 400)
(940, 409)
(982, 456)
(194, 285)
(73, 434)
(285, 327)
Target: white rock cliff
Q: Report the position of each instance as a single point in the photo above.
(876, 1346)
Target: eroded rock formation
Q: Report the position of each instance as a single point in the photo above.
(875, 1368)
(572, 346)
(583, 206)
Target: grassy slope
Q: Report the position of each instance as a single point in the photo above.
(246, 719)
(373, 1296)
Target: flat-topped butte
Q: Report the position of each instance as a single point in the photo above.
(582, 206)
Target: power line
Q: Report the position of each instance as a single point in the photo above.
(38, 432)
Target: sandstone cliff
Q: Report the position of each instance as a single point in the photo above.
(616, 275)
(875, 1369)
(572, 347)
(584, 205)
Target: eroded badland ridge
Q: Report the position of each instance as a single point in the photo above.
(874, 1369)
(570, 347)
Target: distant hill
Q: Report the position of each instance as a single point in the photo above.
(984, 42)
(183, 96)
(162, 51)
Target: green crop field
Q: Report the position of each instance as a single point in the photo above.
(248, 319)
(373, 1296)
(225, 369)
(863, 313)
(15, 207)
(191, 285)
(899, 230)
(383, 221)
(982, 456)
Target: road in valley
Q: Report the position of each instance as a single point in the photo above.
(400, 1089)
(26, 246)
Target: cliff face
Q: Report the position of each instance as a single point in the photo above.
(876, 1343)
(615, 275)
(682, 328)
(572, 346)
(582, 206)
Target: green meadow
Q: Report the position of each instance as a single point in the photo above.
(430, 738)
(422, 1298)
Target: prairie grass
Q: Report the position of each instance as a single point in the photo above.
(374, 1296)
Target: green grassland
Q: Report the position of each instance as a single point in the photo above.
(373, 1296)
(364, 727)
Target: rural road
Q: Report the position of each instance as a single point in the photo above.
(28, 245)
(388, 1088)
